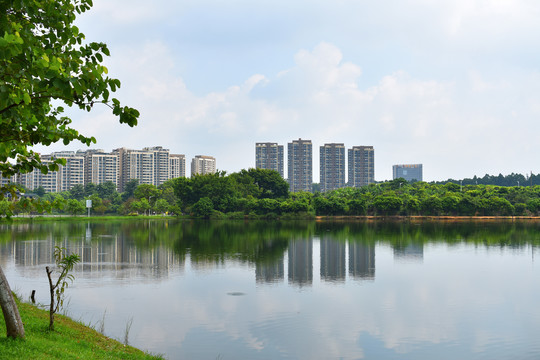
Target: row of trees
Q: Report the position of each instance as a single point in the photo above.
(263, 193)
(398, 197)
(499, 180)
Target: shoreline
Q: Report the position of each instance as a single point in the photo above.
(418, 218)
(71, 339)
(318, 218)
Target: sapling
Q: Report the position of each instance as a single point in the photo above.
(65, 264)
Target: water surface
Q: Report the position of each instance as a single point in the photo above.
(295, 290)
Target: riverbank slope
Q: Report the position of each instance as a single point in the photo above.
(70, 340)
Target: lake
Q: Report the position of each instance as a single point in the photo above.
(295, 290)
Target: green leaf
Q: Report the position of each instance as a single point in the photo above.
(47, 55)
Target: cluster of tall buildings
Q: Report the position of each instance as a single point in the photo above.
(360, 166)
(151, 165)
(155, 165)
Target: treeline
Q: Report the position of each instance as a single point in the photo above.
(397, 197)
(498, 180)
(259, 193)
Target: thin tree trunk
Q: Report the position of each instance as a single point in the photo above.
(51, 308)
(14, 325)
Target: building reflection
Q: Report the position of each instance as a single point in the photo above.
(301, 262)
(131, 254)
(332, 260)
(270, 271)
(116, 255)
(413, 252)
(361, 260)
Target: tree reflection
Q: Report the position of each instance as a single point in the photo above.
(262, 244)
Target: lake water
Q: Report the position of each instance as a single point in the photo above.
(295, 290)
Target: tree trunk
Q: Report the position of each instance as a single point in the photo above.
(14, 325)
(51, 306)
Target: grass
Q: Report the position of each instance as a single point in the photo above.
(82, 218)
(70, 340)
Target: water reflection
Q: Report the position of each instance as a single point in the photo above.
(309, 290)
(301, 262)
(409, 252)
(160, 246)
(332, 259)
(112, 252)
(268, 271)
(361, 261)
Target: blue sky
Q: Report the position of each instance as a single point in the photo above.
(454, 85)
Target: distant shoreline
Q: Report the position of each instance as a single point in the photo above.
(370, 218)
(427, 217)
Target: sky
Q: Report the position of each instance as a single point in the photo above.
(453, 85)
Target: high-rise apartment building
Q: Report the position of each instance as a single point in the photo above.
(332, 169)
(161, 164)
(135, 164)
(48, 181)
(6, 180)
(361, 166)
(410, 172)
(152, 165)
(27, 180)
(140, 165)
(63, 179)
(100, 167)
(269, 156)
(300, 165)
(177, 166)
(202, 164)
(72, 173)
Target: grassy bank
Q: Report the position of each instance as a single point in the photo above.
(70, 340)
(82, 218)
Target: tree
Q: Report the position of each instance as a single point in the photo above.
(5, 208)
(14, 325)
(203, 208)
(431, 205)
(43, 59)
(40, 191)
(261, 183)
(161, 206)
(129, 189)
(65, 263)
(144, 205)
(146, 191)
(387, 204)
(44, 63)
(106, 190)
(218, 187)
(357, 207)
(167, 192)
(75, 207)
(90, 189)
(77, 192)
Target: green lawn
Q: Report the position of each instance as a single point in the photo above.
(70, 340)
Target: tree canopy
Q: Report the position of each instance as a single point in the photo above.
(45, 63)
